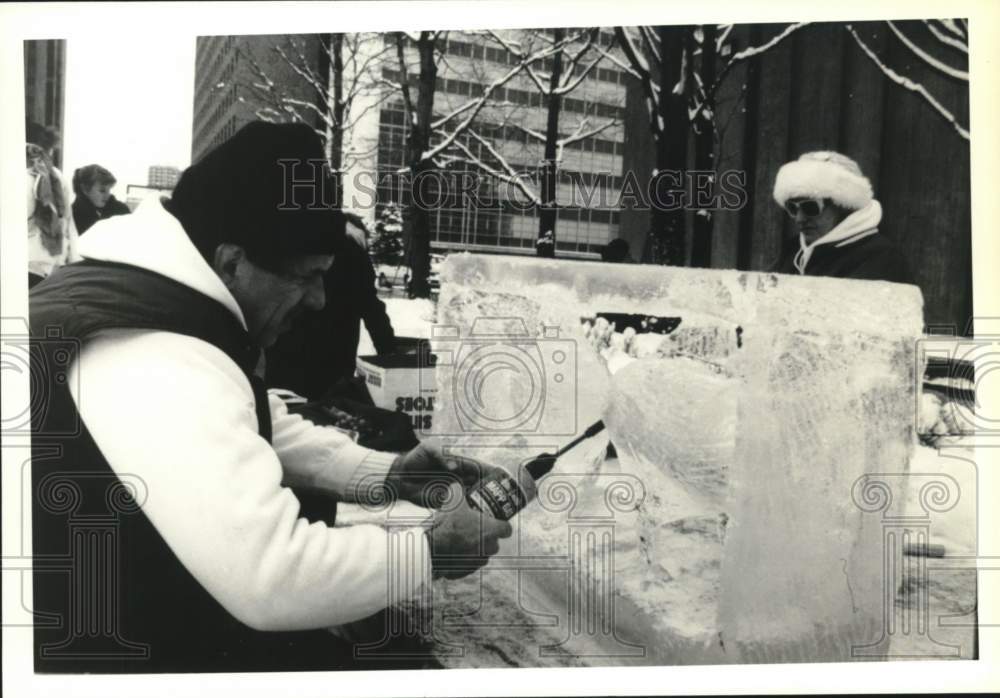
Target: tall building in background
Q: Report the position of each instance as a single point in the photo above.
(44, 84)
(224, 97)
(224, 101)
(590, 170)
(163, 176)
(160, 182)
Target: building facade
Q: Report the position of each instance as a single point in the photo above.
(44, 84)
(229, 92)
(499, 218)
(163, 176)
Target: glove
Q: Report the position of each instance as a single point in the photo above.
(423, 474)
(463, 539)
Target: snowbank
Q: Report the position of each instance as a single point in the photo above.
(410, 317)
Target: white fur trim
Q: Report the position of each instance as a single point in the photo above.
(822, 180)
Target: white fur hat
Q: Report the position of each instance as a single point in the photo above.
(823, 174)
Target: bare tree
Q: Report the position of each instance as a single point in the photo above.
(569, 67)
(334, 93)
(327, 93)
(949, 34)
(678, 72)
(430, 138)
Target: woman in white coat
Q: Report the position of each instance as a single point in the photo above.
(52, 235)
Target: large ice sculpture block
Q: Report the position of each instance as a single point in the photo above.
(748, 427)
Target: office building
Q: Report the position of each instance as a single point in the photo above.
(228, 92)
(44, 84)
(591, 168)
(163, 176)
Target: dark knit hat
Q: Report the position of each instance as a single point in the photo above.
(260, 191)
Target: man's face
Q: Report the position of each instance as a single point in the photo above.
(270, 301)
(814, 218)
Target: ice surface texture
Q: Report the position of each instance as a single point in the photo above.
(748, 428)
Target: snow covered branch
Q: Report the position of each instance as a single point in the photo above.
(909, 85)
(752, 51)
(945, 37)
(539, 83)
(637, 63)
(530, 132)
(458, 111)
(723, 37)
(574, 82)
(506, 173)
(305, 73)
(957, 27)
(623, 65)
(639, 68)
(280, 106)
(472, 109)
(649, 41)
(926, 57)
(741, 56)
(570, 79)
(511, 47)
(580, 134)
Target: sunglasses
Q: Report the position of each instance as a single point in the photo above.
(810, 207)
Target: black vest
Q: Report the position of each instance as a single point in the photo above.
(109, 594)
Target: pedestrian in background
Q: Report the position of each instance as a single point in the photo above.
(617, 251)
(94, 200)
(52, 234)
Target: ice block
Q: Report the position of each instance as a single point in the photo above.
(748, 427)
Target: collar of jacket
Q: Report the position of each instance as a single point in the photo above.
(151, 238)
(858, 225)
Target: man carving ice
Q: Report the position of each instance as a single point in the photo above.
(837, 219)
(142, 363)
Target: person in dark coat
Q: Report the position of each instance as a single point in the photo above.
(320, 351)
(837, 218)
(94, 201)
(616, 251)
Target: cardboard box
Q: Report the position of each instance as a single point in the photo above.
(402, 383)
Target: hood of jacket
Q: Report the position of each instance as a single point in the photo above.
(151, 238)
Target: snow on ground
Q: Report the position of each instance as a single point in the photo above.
(410, 317)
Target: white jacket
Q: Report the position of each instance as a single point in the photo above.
(178, 413)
